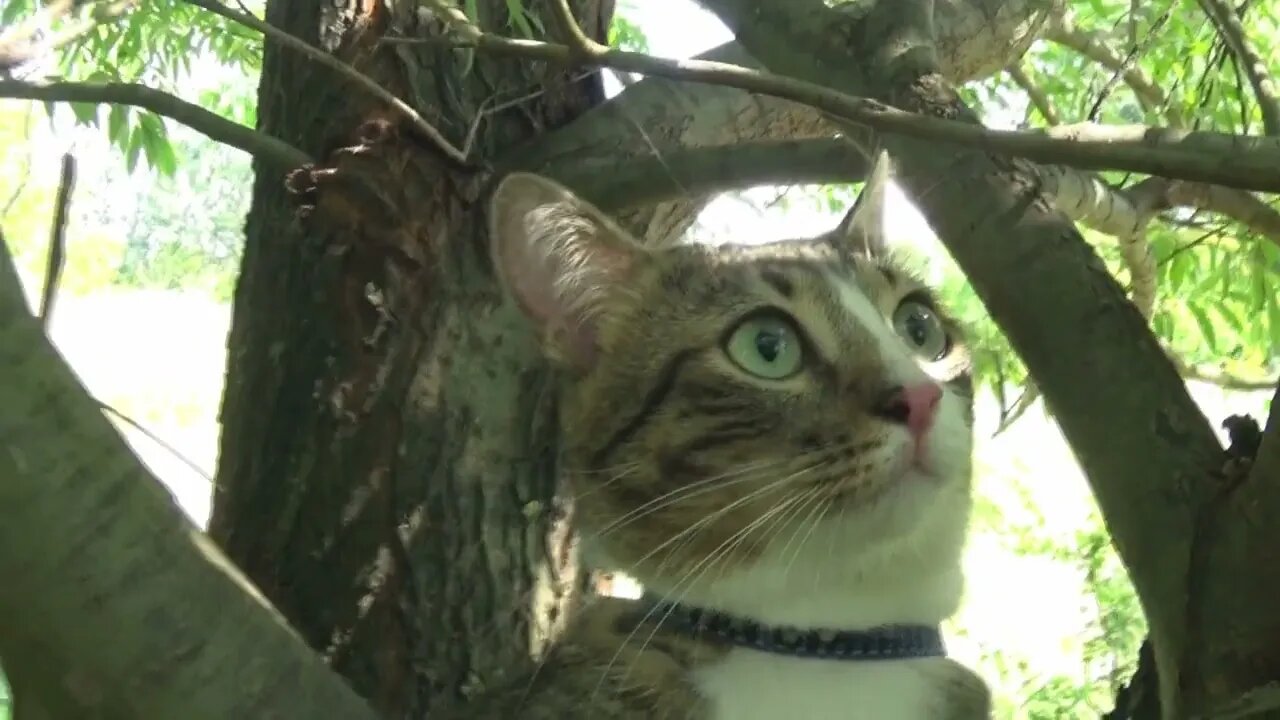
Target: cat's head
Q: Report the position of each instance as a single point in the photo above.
(725, 406)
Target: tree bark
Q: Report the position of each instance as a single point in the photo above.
(113, 604)
(387, 473)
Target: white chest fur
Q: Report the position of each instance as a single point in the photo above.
(753, 685)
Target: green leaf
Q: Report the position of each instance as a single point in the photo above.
(118, 124)
(135, 147)
(1206, 327)
(12, 9)
(1273, 320)
(1230, 316)
(1163, 325)
(1259, 284)
(516, 14)
(86, 113)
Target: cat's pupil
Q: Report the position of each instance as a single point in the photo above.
(918, 328)
(770, 345)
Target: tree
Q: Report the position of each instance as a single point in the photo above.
(388, 470)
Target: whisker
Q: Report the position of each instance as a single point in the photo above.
(616, 472)
(811, 497)
(690, 531)
(731, 477)
(813, 519)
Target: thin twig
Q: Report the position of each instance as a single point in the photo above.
(364, 81)
(487, 109)
(1155, 151)
(1008, 416)
(1136, 51)
(156, 439)
(57, 239)
(1064, 32)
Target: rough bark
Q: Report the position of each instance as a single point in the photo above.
(113, 604)
(386, 475)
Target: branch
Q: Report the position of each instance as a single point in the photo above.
(622, 130)
(1157, 151)
(675, 172)
(57, 239)
(140, 615)
(416, 121)
(1064, 32)
(213, 126)
(1156, 194)
(1039, 99)
(1231, 30)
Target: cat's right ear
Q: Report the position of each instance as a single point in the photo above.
(562, 260)
(862, 230)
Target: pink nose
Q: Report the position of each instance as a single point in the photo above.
(914, 405)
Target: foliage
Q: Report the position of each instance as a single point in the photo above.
(625, 34)
(172, 45)
(1116, 627)
(1218, 294)
(136, 229)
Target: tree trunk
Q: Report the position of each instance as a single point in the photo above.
(387, 467)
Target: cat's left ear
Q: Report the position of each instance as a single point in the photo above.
(563, 261)
(862, 229)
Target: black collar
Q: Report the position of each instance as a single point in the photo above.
(888, 642)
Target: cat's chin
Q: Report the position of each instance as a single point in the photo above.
(893, 561)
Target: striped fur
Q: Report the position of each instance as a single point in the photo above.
(789, 500)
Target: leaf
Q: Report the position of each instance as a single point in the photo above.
(86, 113)
(1163, 325)
(1230, 316)
(1273, 321)
(1206, 326)
(118, 124)
(162, 157)
(135, 147)
(516, 15)
(12, 10)
(1259, 284)
(1179, 265)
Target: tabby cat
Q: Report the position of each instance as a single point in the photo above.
(775, 441)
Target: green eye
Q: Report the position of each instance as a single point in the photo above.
(766, 346)
(922, 330)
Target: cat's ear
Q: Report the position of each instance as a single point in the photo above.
(862, 229)
(561, 259)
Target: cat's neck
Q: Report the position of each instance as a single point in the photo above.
(824, 591)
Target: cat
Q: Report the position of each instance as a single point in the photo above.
(775, 441)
